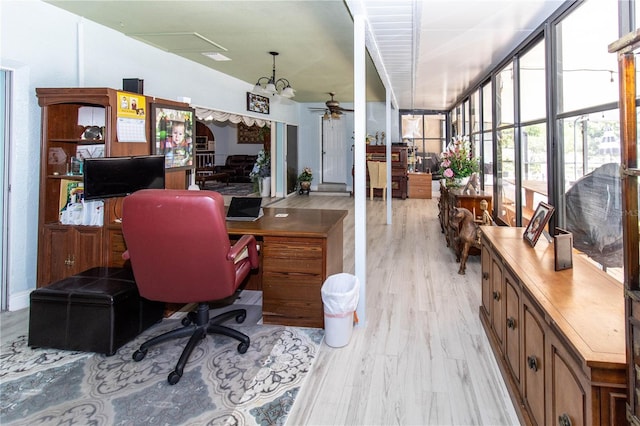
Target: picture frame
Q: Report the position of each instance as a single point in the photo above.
(563, 249)
(257, 103)
(170, 122)
(201, 143)
(250, 134)
(537, 223)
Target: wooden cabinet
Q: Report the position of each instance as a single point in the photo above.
(399, 164)
(69, 250)
(64, 250)
(558, 337)
(419, 185)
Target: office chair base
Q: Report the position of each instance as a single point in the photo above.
(197, 325)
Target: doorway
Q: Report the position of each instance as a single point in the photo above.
(334, 157)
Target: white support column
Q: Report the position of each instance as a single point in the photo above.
(359, 150)
(388, 155)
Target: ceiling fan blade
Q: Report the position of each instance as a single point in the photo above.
(345, 109)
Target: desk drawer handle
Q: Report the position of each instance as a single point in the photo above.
(564, 420)
(532, 362)
(496, 295)
(511, 323)
(485, 275)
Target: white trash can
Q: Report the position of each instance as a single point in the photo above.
(340, 293)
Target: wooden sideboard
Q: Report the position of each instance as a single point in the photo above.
(399, 164)
(450, 198)
(558, 337)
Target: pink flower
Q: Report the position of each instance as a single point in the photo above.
(448, 173)
(446, 163)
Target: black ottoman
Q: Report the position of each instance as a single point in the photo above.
(98, 310)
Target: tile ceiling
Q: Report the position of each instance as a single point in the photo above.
(429, 51)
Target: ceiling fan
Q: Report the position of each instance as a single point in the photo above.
(333, 109)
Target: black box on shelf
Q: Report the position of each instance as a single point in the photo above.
(134, 85)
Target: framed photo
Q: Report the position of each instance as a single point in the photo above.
(173, 133)
(257, 103)
(201, 143)
(251, 134)
(538, 222)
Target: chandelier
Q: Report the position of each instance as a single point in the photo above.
(271, 86)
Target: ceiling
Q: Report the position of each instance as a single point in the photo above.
(429, 51)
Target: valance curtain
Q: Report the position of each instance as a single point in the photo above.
(206, 114)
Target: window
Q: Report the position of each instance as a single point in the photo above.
(532, 84)
(587, 72)
(426, 134)
(506, 177)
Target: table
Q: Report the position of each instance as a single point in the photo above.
(299, 249)
(203, 176)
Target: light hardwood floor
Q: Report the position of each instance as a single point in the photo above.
(422, 357)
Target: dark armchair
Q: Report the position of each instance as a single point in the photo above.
(180, 252)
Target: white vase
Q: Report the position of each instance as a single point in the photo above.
(265, 187)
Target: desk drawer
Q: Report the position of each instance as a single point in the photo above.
(293, 248)
(292, 299)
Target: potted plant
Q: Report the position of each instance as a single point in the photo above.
(261, 173)
(304, 180)
(457, 162)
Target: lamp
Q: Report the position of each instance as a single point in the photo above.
(280, 86)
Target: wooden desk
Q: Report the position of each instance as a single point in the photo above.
(298, 253)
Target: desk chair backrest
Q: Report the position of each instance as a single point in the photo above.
(178, 245)
(377, 177)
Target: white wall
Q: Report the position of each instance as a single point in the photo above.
(309, 138)
(68, 51)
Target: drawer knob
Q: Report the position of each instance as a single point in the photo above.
(485, 275)
(532, 362)
(496, 295)
(564, 420)
(511, 323)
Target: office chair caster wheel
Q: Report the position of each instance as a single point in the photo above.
(139, 355)
(186, 321)
(242, 347)
(240, 318)
(173, 378)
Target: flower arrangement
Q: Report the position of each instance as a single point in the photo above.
(306, 175)
(457, 161)
(262, 166)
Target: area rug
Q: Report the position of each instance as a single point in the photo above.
(219, 385)
(240, 189)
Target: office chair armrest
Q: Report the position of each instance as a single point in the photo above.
(248, 242)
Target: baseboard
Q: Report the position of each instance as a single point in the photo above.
(19, 300)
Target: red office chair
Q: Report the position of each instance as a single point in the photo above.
(180, 252)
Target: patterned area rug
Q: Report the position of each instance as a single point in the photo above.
(238, 189)
(219, 385)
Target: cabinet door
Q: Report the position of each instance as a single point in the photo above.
(568, 402)
(512, 333)
(87, 248)
(68, 250)
(486, 282)
(534, 362)
(497, 300)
